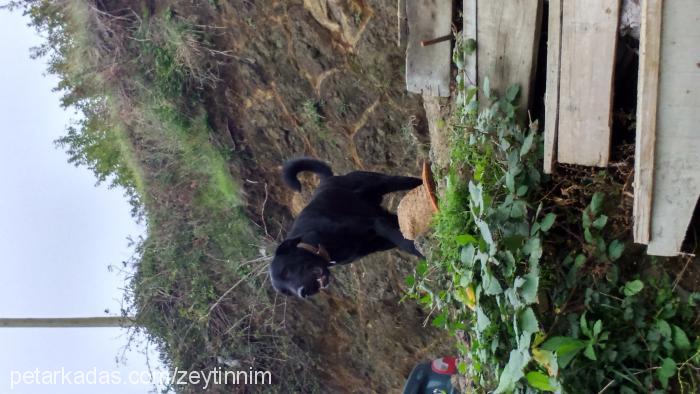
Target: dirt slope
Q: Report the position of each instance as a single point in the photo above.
(325, 79)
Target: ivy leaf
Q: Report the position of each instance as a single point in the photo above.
(518, 209)
(667, 370)
(597, 202)
(584, 325)
(467, 255)
(487, 87)
(490, 284)
(469, 46)
(586, 218)
(485, 233)
(482, 321)
(510, 182)
(476, 195)
(565, 347)
(522, 190)
(527, 321)
(633, 287)
(615, 250)
(512, 93)
(547, 222)
(527, 144)
(528, 291)
(546, 359)
(590, 353)
(513, 371)
(465, 239)
(533, 248)
(538, 380)
(664, 328)
(600, 222)
(680, 340)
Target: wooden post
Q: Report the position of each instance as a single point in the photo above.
(68, 322)
(551, 99)
(469, 33)
(676, 178)
(647, 94)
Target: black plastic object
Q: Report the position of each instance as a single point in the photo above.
(432, 377)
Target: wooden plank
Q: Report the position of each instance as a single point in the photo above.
(508, 39)
(428, 67)
(676, 186)
(551, 99)
(469, 32)
(648, 89)
(402, 23)
(589, 38)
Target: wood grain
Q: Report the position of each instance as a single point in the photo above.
(469, 32)
(589, 37)
(508, 39)
(428, 68)
(551, 99)
(676, 183)
(647, 99)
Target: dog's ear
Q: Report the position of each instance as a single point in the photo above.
(288, 245)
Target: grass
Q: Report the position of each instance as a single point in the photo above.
(137, 79)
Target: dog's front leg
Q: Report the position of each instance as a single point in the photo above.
(388, 227)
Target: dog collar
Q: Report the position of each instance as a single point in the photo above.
(318, 251)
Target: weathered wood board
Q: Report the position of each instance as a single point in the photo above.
(469, 33)
(647, 94)
(507, 42)
(428, 67)
(551, 99)
(676, 178)
(588, 44)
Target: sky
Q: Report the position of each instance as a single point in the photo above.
(59, 232)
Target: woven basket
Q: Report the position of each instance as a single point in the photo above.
(417, 207)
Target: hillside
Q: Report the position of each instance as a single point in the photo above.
(192, 108)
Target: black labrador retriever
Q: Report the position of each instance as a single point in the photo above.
(343, 222)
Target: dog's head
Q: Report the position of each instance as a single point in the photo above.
(297, 272)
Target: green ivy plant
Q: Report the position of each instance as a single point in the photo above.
(537, 315)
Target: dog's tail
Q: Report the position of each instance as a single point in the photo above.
(292, 167)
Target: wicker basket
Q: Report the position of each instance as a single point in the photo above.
(416, 209)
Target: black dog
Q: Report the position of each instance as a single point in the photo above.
(343, 222)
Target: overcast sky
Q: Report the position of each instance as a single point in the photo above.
(58, 232)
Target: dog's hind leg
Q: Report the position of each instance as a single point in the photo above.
(388, 227)
(376, 184)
